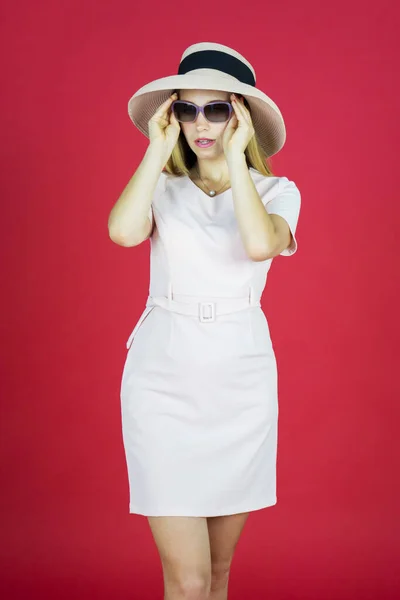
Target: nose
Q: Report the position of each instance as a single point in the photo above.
(201, 121)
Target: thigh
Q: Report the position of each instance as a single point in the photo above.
(224, 533)
(184, 548)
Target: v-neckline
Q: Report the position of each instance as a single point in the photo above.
(205, 193)
(208, 195)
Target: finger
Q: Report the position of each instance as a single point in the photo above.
(247, 113)
(168, 101)
(241, 111)
(232, 123)
(238, 114)
(236, 105)
(241, 107)
(163, 108)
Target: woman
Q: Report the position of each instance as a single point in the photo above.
(199, 385)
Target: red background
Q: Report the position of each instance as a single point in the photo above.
(70, 296)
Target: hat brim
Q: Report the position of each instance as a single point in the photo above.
(265, 114)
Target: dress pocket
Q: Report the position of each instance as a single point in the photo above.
(259, 332)
(142, 317)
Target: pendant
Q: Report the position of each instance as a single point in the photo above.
(212, 193)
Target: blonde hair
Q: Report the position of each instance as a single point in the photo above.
(183, 158)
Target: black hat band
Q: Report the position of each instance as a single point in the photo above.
(214, 59)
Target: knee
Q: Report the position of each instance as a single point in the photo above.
(194, 588)
(219, 575)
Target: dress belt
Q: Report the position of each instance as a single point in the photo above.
(196, 306)
(206, 311)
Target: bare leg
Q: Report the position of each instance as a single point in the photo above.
(184, 549)
(224, 533)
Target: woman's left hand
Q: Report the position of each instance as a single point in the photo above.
(239, 130)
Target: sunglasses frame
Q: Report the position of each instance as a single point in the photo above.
(201, 109)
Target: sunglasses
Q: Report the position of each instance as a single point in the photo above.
(214, 112)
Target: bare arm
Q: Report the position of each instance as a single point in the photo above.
(264, 236)
(257, 229)
(128, 222)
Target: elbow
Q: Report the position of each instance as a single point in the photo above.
(261, 253)
(127, 239)
(120, 240)
(118, 237)
(115, 236)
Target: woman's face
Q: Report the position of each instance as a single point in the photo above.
(202, 128)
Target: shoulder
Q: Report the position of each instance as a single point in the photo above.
(168, 178)
(277, 182)
(269, 187)
(286, 184)
(163, 181)
(161, 187)
(168, 187)
(174, 184)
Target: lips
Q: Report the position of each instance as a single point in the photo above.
(206, 144)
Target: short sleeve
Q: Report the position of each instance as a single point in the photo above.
(286, 204)
(160, 189)
(150, 215)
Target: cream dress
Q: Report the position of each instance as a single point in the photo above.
(199, 395)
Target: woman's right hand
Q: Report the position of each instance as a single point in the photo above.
(164, 128)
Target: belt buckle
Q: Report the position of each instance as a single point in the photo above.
(207, 312)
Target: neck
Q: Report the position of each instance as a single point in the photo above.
(214, 172)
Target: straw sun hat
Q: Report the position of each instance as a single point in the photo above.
(211, 66)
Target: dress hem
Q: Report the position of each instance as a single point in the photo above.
(176, 512)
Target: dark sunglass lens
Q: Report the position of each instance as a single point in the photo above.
(184, 112)
(217, 113)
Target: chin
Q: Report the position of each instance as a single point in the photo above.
(202, 151)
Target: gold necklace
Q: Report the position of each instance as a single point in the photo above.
(210, 192)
